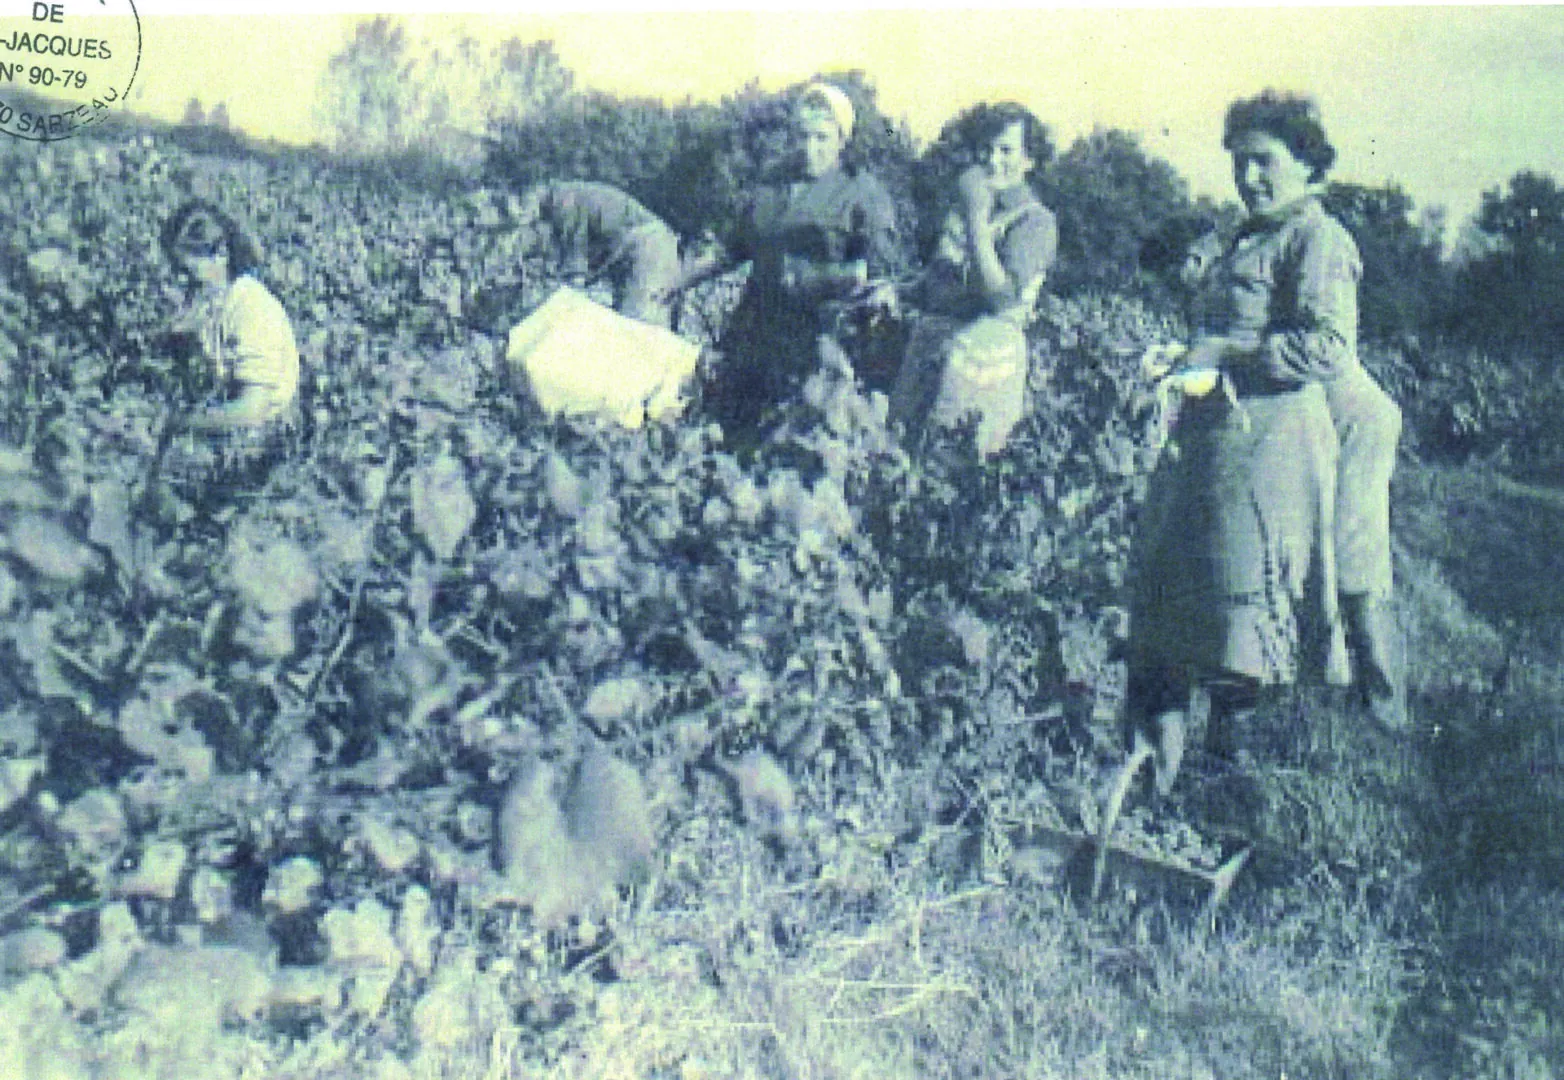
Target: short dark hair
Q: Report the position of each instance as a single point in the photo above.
(1164, 251)
(1292, 119)
(986, 122)
(200, 224)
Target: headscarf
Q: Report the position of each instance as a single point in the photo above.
(835, 101)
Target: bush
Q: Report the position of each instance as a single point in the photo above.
(692, 164)
(276, 721)
(1463, 403)
(1110, 197)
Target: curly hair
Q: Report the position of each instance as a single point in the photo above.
(199, 226)
(985, 122)
(1292, 119)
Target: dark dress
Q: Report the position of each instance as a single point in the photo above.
(775, 336)
(1234, 572)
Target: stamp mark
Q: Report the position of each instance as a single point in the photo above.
(65, 64)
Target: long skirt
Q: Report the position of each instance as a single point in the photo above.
(766, 352)
(956, 370)
(1234, 568)
(1368, 426)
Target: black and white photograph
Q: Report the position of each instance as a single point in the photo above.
(781, 543)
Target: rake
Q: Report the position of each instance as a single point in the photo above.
(1117, 861)
(1089, 859)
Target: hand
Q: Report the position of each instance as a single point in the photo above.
(797, 274)
(705, 248)
(1195, 382)
(199, 420)
(974, 189)
(526, 209)
(1207, 352)
(880, 298)
(1160, 359)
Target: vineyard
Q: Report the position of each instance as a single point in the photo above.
(470, 743)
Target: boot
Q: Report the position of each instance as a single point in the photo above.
(1157, 714)
(1233, 704)
(1372, 641)
(1168, 732)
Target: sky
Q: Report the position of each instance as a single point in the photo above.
(1447, 101)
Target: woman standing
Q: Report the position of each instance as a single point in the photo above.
(814, 244)
(1236, 586)
(967, 352)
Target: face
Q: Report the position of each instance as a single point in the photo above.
(1199, 260)
(1268, 177)
(209, 271)
(528, 207)
(820, 140)
(1006, 158)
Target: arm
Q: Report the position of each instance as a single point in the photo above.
(1312, 328)
(570, 218)
(711, 261)
(822, 280)
(527, 217)
(1029, 244)
(989, 279)
(720, 252)
(1008, 253)
(869, 252)
(875, 226)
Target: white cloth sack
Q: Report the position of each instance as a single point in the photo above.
(954, 369)
(578, 357)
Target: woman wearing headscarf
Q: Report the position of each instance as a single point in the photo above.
(1237, 586)
(967, 355)
(242, 337)
(814, 243)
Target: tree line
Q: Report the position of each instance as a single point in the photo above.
(512, 113)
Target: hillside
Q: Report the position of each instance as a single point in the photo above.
(754, 734)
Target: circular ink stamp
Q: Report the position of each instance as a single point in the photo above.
(65, 64)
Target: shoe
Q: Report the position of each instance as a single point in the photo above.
(1222, 726)
(1389, 710)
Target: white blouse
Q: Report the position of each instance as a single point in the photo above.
(249, 342)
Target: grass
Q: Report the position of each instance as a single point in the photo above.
(1496, 539)
(762, 978)
(1402, 917)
